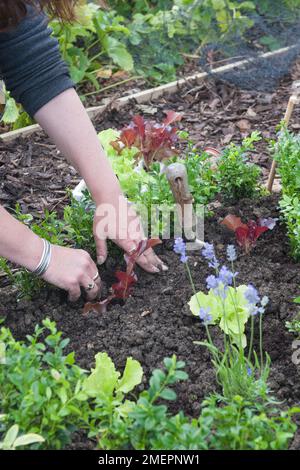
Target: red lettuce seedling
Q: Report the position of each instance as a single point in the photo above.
(154, 141)
(126, 280)
(247, 234)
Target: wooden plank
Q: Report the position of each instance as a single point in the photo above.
(153, 93)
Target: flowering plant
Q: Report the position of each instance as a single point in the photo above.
(226, 304)
(230, 307)
(231, 313)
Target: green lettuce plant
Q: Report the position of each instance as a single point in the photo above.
(230, 314)
(105, 382)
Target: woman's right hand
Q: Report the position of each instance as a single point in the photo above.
(72, 270)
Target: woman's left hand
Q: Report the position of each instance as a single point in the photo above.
(116, 219)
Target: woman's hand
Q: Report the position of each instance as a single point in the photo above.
(116, 219)
(72, 270)
(69, 269)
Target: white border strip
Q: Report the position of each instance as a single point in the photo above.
(152, 93)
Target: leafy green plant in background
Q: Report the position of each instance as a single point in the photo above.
(236, 176)
(150, 41)
(266, 6)
(14, 114)
(99, 33)
(290, 209)
(149, 38)
(164, 36)
(139, 6)
(287, 153)
(201, 173)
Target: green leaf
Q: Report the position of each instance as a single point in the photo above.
(11, 436)
(103, 379)
(119, 54)
(62, 395)
(70, 359)
(132, 376)
(27, 439)
(181, 375)
(2, 353)
(231, 314)
(106, 137)
(218, 4)
(168, 394)
(11, 112)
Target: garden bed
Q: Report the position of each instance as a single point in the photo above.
(155, 322)
(214, 112)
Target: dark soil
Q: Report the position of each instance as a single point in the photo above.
(155, 322)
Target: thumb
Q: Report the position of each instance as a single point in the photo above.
(101, 248)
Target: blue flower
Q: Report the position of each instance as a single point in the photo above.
(269, 223)
(204, 314)
(208, 252)
(184, 258)
(251, 295)
(231, 253)
(261, 310)
(226, 276)
(180, 249)
(253, 310)
(212, 282)
(179, 246)
(249, 371)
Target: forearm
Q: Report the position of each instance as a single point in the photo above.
(18, 243)
(65, 120)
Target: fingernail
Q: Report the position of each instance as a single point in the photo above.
(164, 267)
(155, 269)
(100, 259)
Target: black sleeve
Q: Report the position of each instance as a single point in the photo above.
(30, 63)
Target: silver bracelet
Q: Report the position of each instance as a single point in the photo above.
(45, 259)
